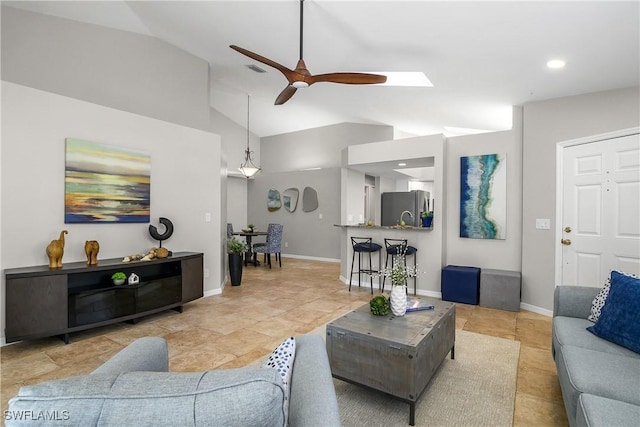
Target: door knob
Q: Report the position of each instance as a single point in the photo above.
(567, 229)
(566, 242)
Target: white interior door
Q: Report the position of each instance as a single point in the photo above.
(601, 210)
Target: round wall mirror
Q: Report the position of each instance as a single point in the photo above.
(309, 199)
(290, 199)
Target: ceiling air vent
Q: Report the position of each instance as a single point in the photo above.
(256, 68)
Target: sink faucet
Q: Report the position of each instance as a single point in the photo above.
(405, 212)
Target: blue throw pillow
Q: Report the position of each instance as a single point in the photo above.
(619, 320)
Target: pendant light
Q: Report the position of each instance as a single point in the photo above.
(248, 168)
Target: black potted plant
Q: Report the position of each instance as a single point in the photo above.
(235, 248)
(427, 218)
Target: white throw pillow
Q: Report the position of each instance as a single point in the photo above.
(282, 359)
(601, 298)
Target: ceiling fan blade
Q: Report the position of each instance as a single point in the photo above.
(285, 95)
(348, 78)
(289, 74)
(301, 77)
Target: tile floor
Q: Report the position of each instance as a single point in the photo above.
(248, 321)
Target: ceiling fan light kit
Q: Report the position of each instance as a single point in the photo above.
(300, 77)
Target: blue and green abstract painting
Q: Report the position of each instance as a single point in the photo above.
(483, 188)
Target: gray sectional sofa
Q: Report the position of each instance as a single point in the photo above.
(600, 380)
(135, 388)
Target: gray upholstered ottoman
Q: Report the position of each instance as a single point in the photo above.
(500, 289)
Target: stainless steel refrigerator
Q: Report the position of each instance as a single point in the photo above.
(394, 203)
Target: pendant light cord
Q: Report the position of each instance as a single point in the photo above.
(248, 96)
(248, 168)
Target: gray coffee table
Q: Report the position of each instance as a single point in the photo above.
(395, 355)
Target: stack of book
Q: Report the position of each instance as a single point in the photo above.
(415, 304)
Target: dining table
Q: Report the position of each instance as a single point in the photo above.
(248, 236)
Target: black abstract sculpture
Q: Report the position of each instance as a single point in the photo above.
(167, 232)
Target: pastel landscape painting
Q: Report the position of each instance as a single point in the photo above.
(104, 183)
(483, 196)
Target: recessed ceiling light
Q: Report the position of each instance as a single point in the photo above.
(402, 164)
(556, 64)
(404, 78)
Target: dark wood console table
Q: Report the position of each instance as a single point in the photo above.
(41, 302)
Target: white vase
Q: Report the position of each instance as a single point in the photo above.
(398, 300)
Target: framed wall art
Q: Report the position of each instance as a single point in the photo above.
(483, 196)
(105, 183)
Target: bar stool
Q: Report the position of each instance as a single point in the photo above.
(363, 245)
(395, 247)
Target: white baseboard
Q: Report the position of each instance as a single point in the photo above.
(535, 309)
(434, 294)
(212, 293)
(311, 258)
(367, 285)
(215, 291)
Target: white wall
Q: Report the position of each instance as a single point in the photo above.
(185, 181)
(127, 71)
(282, 157)
(309, 234)
(352, 196)
(236, 202)
(2, 286)
(234, 142)
(485, 253)
(431, 244)
(319, 147)
(119, 69)
(546, 123)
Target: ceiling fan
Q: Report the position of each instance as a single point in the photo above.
(301, 77)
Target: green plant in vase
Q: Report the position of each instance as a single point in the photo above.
(118, 277)
(399, 273)
(427, 218)
(235, 248)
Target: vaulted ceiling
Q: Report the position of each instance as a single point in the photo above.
(482, 57)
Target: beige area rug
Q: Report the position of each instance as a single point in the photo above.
(477, 388)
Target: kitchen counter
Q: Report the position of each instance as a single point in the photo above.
(428, 241)
(385, 227)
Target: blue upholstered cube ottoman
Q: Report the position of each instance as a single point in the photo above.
(461, 284)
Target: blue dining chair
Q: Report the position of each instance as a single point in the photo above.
(272, 245)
